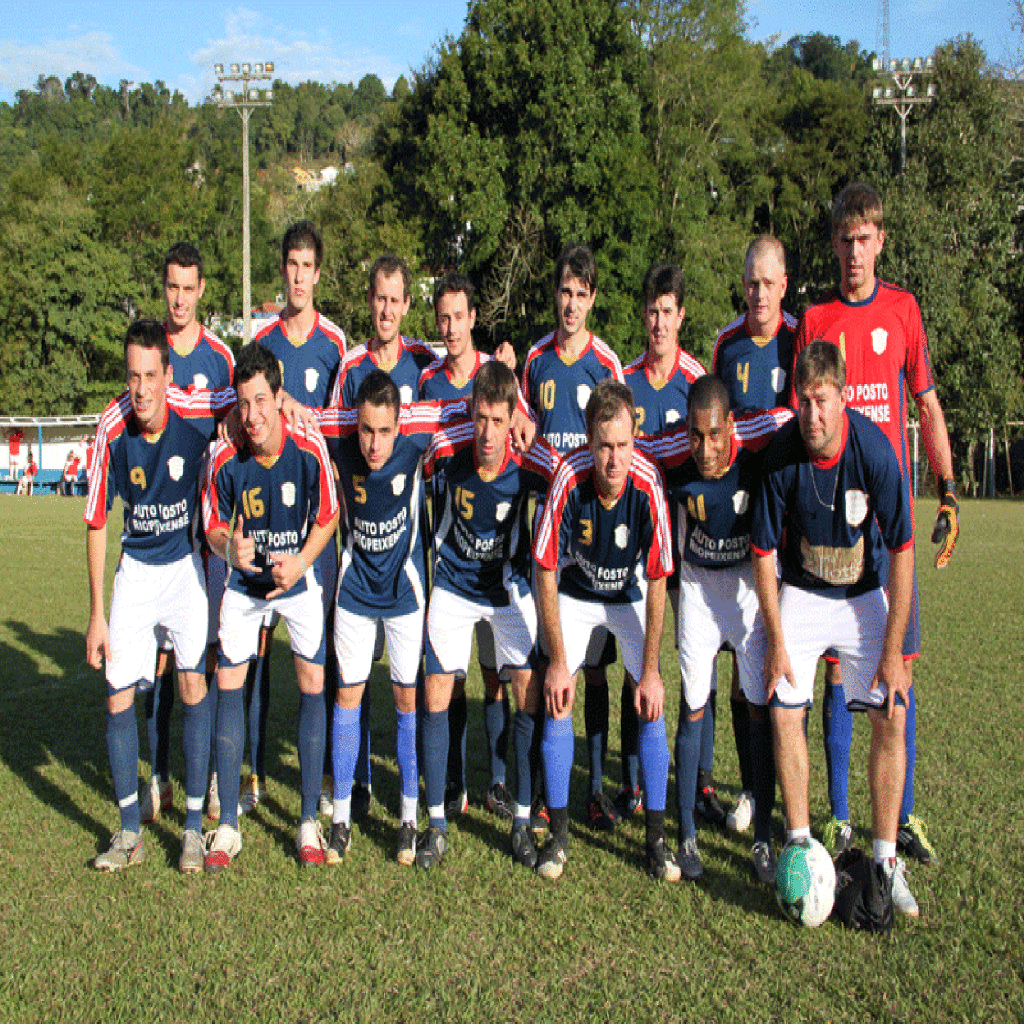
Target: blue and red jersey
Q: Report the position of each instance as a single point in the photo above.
(414, 358)
(309, 369)
(157, 477)
(661, 404)
(835, 515)
(755, 369)
(601, 548)
(278, 499)
(436, 384)
(557, 390)
(209, 366)
(481, 518)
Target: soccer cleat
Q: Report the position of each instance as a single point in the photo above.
(524, 852)
(764, 863)
(628, 802)
(406, 855)
(836, 836)
(126, 850)
(709, 807)
(213, 799)
(902, 898)
(499, 801)
(456, 803)
(600, 813)
(742, 813)
(361, 797)
(339, 844)
(249, 795)
(310, 844)
(432, 847)
(552, 857)
(690, 866)
(912, 840)
(540, 820)
(326, 803)
(156, 797)
(661, 862)
(222, 847)
(193, 852)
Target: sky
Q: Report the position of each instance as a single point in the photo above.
(341, 41)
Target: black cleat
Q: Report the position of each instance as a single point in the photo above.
(710, 808)
(432, 847)
(523, 850)
(361, 798)
(600, 813)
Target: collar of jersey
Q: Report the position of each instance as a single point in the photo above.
(560, 352)
(152, 438)
(379, 364)
(488, 475)
(863, 302)
(659, 384)
(829, 463)
(298, 344)
(760, 340)
(266, 461)
(459, 382)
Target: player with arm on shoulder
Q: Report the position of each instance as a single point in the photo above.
(605, 524)
(753, 357)
(482, 486)
(269, 510)
(149, 450)
(879, 331)
(832, 495)
(559, 376)
(712, 468)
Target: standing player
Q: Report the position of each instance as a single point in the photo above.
(14, 439)
(69, 475)
(309, 349)
(279, 489)
(832, 495)
(481, 490)
(201, 360)
(150, 446)
(878, 329)
(606, 517)
(712, 467)
(560, 374)
(753, 356)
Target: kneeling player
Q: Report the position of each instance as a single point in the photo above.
(605, 509)
(280, 490)
(482, 574)
(832, 485)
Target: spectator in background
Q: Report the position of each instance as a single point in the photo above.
(26, 483)
(70, 474)
(14, 439)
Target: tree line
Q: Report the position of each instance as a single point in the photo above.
(651, 130)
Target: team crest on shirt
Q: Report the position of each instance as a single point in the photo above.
(176, 467)
(582, 395)
(856, 507)
(405, 393)
(740, 502)
(621, 535)
(879, 336)
(778, 379)
(200, 381)
(288, 493)
(672, 416)
(502, 510)
(312, 376)
(398, 484)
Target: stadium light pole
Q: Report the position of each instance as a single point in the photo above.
(251, 95)
(910, 89)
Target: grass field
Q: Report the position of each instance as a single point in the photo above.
(478, 939)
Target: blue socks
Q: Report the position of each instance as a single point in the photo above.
(654, 764)
(405, 743)
(688, 744)
(362, 775)
(311, 740)
(557, 750)
(496, 723)
(230, 746)
(344, 749)
(435, 760)
(257, 687)
(762, 776)
(837, 728)
(522, 741)
(629, 731)
(195, 734)
(707, 735)
(123, 750)
(159, 704)
(907, 806)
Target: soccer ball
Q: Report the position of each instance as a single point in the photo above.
(805, 882)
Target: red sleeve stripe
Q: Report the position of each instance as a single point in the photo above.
(670, 448)
(754, 430)
(545, 544)
(333, 332)
(222, 452)
(430, 371)
(648, 478)
(725, 335)
(315, 444)
(691, 366)
(763, 552)
(446, 443)
(546, 342)
(266, 330)
(110, 426)
(605, 354)
(542, 459)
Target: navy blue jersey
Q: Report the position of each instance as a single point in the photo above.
(278, 499)
(209, 366)
(481, 525)
(436, 384)
(414, 358)
(156, 476)
(557, 391)
(309, 369)
(662, 404)
(755, 370)
(602, 549)
(835, 515)
(714, 526)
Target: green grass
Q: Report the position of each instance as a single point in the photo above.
(478, 939)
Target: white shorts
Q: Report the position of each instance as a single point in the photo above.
(625, 622)
(718, 606)
(216, 579)
(355, 639)
(854, 627)
(150, 601)
(242, 615)
(452, 618)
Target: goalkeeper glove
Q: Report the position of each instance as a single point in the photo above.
(947, 527)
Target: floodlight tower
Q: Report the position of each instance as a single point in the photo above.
(909, 90)
(245, 100)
